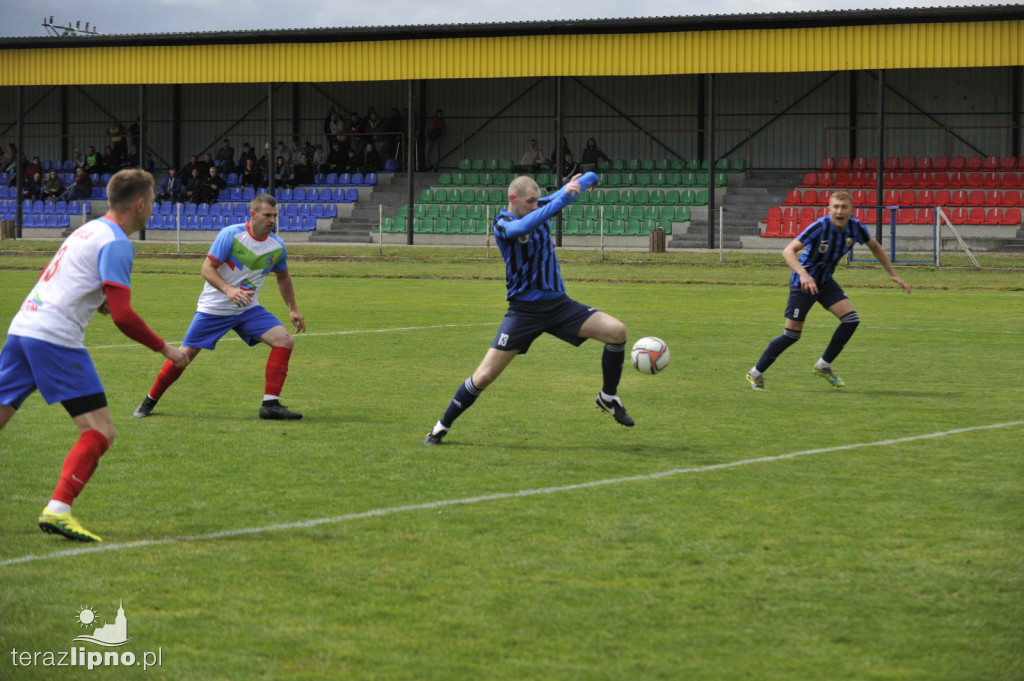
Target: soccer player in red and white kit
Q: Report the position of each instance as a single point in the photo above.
(235, 269)
(45, 346)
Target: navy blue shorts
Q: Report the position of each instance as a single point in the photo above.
(206, 329)
(59, 373)
(800, 302)
(528, 319)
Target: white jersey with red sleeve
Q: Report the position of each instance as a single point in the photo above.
(70, 287)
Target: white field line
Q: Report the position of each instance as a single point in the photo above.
(430, 505)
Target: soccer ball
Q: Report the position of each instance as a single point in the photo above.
(649, 355)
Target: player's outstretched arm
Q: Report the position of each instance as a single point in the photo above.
(881, 256)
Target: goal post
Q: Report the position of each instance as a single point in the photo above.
(911, 241)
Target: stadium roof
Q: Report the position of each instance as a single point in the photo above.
(711, 22)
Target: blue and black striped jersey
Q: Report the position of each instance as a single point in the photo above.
(825, 246)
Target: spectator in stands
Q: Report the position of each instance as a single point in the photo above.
(252, 175)
(375, 128)
(813, 258)
(552, 160)
(304, 173)
(355, 128)
(8, 159)
(194, 187)
(53, 187)
(212, 184)
(336, 158)
(226, 157)
(394, 124)
(282, 150)
(34, 168)
(371, 161)
(570, 168)
(93, 161)
(81, 189)
(437, 130)
(247, 154)
(118, 144)
(532, 158)
(205, 164)
(133, 132)
(110, 162)
(295, 156)
(132, 159)
(32, 186)
(333, 127)
(591, 155)
(282, 172)
(319, 159)
(186, 170)
(352, 162)
(171, 188)
(77, 160)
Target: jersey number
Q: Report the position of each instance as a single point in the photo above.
(51, 269)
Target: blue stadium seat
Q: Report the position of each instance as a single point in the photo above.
(330, 210)
(236, 194)
(331, 179)
(370, 180)
(344, 179)
(308, 223)
(299, 194)
(390, 165)
(357, 179)
(61, 208)
(338, 195)
(351, 195)
(318, 210)
(248, 193)
(290, 210)
(305, 210)
(319, 178)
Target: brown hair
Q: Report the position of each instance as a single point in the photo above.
(260, 199)
(127, 185)
(842, 195)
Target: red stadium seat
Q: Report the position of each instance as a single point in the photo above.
(858, 179)
(993, 198)
(823, 196)
(774, 213)
(923, 164)
(860, 164)
(810, 180)
(991, 163)
(826, 180)
(940, 179)
(908, 164)
(1009, 181)
(1011, 199)
(991, 180)
(993, 216)
(828, 164)
(958, 198)
(957, 180)
(925, 197)
(870, 180)
(873, 164)
(924, 180)
(1011, 216)
(975, 163)
(941, 198)
(958, 164)
(773, 228)
(860, 197)
(892, 164)
(940, 164)
(845, 164)
(924, 216)
(790, 213)
(891, 198)
(809, 197)
(1008, 164)
(793, 197)
(958, 216)
(806, 216)
(908, 197)
(907, 180)
(975, 180)
(843, 181)
(905, 216)
(891, 180)
(975, 216)
(975, 197)
(872, 197)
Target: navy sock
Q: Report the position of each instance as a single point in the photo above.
(776, 348)
(847, 325)
(464, 398)
(612, 359)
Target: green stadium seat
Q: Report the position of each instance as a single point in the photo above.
(599, 196)
(616, 227)
(693, 165)
(702, 180)
(659, 179)
(478, 164)
(652, 212)
(702, 198)
(419, 211)
(472, 180)
(657, 197)
(454, 196)
(584, 197)
(619, 212)
(465, 164)
(476, 212)
(571, 227)
(603, 165)
(433, 211)
(448, 211)
(611, 197)
(592, 212)
(687, 197)
(647, 165)
(588, 227)
(633, 165)
(495, 196)
(642, 196)
(445, 179)
(618, 165)
(611, 180)
(426, 196)
(672, 196)
(666, 225)
(722, 165)
(627, 196)
(678, 165)
(636, 212)
(738, 165)
(491, 165)
(663, 164)
(682, 214)
(643, 179)
(505, 165)
(440, 196)
(633, 227)
(458, 179)
(574, 211)
(721, 180)
(486, 179)
(628, 179)
(688, 179)
(500, 180)
(461, 211)
(544, 180)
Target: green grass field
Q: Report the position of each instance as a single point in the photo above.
(801, 533)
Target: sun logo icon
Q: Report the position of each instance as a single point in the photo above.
(87, 617)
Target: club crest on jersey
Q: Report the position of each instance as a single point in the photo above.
(270, 260)
(849, 241)
(524, 238)
(823, 247)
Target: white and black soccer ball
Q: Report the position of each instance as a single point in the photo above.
(649, 355)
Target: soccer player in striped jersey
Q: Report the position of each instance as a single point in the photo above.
(235, 269)
(537, 302)
(45, 346)
(823, 244)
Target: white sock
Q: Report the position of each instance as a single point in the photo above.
(822, 364)
(754, 372)
(58, 507)
(438, 428)
(268, 398)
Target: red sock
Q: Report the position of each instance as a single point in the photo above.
(277, 370)
(165, 379)
(79, 465)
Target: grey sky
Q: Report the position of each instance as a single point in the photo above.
(174, 16)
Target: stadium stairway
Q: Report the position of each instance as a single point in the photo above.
(744, 207)
(387, 197)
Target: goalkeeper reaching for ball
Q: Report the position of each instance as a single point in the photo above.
(537, 302)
